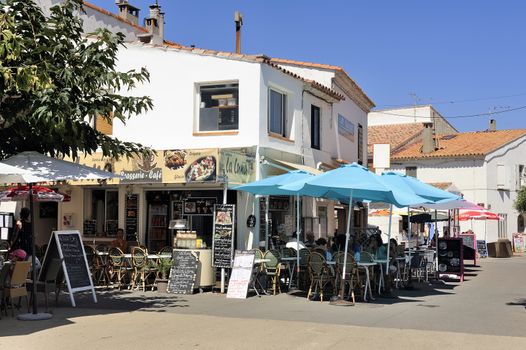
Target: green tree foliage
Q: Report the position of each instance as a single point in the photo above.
(54, 82)
(520, 202)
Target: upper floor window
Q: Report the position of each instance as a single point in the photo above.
(277, 119)
(219, 107)
(315, 127)
(360, 144)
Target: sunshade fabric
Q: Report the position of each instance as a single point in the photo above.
(417, 187)
(52, 169)
(271, 185)
(11, 174)
(477, 215)
(40, 194)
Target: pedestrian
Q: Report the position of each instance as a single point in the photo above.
(22, 237)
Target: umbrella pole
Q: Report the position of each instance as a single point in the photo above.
(389, 239)
(346, 249)
(297, 240)
(266, 221)
(436, 244)
(33, 255)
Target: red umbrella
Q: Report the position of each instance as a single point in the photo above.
(478, 215)
(40, 194)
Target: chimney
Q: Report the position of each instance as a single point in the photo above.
(238, 18)
(428, 143)
(155, 25)
(492, 125)
(127, 11)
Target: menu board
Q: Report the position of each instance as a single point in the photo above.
(199, 206)
(469, 239)
(131, 216)
(482, 249)
(67, 245)
(6, 225)
(262, 220)
(450, 256)
(183, 272)
(241, 274)
(90, 227)
(223, 239)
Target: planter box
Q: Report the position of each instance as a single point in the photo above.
(162, 285)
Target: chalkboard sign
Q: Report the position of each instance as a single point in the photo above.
(241, 274)
(183, 272)
(90, 227)
(469, 239)
(450, 256)
(223, 242)
(482, 249)
(67, 245)
(131, 216)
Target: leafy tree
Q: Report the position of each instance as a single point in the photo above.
(54, 82)
(520, 202)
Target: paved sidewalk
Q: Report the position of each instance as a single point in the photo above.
(486, 311)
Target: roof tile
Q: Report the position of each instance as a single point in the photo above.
(397, 135)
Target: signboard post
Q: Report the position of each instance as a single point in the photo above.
(241, 274)
(67, 246)
(183, 272)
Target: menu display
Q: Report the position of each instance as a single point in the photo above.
(90, 227)
(223, 239)
(131, 216)
(263, 223)
(241, 274)
(199, 206)
(469, 239)
(450, 256)
(482, 249)
(183, 272)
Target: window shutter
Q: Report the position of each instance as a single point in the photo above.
(102, 125)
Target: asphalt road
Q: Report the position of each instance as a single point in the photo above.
(485, 311)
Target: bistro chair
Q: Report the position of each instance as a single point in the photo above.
(319, 274)
(351, 273)
(141, 268)
(49, 283)
(120, 269)
(103, 263)
(16, 286)
(257, 272)
(93, 264)
(4, 249)
(304, 267)
(273, 269)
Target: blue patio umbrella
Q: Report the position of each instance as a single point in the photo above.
(417, 187)
(353, 181)
(272, 186)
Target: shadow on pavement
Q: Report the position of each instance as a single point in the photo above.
(517, 302)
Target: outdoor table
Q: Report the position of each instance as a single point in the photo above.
(292, 268)
(381, 280)
(398, 274)
(366, 266)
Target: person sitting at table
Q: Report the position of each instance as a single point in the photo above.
(119, 241)
(321, 244)
(310, 240)
(293, 242)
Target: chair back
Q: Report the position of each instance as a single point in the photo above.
(316, 263)
(366, 257)
(102, 248)
(319, 250)
(139, 257)
(53, 270)
(4, 245)
(304, 257)
(91, 255)
(258, 254)
(116, 257)
(288, 252)
(273, 256)
(349, 266)
(19, 274)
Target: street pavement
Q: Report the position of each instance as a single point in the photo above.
(486, 311)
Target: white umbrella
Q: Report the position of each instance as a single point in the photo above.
(44, 168)
(10, 174)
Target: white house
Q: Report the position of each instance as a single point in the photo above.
(219, 119)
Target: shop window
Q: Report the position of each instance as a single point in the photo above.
(315, 127)
(219, 107)
(277, 118)
(101, 212)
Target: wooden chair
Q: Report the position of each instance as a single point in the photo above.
(351, 273)
(273, 269)
(50, 282)
(142, 269)
(16, 286)
(319, 274)
(120, 269)
(304, 267)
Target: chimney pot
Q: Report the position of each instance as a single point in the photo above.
(492, 125)
(128, 11)
(428, 143)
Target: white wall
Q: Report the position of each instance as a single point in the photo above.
(408, 115)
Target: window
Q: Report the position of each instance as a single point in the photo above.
(360, 144)
(503, 226)
(277, 113)
(521, 176)
(501, 176)
(410, 171)
(315, 127)
(102, 212)
(218, 107)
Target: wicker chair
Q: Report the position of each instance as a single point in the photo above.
(16, 287)
(142, 270)
(319, 274)
(102, 260)
(351, 273)
(304, 267)
(93, 264)
(120, 270)
(49, 283)
(4, 247)
(273, 269)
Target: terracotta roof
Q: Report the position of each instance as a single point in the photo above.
(441, 185)
(397, 135)
(466, 144)
(117, 17)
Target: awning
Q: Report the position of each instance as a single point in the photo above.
(292, 166)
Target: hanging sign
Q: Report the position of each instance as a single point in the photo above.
(223, 239)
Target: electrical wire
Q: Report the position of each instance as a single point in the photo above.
(457, 116)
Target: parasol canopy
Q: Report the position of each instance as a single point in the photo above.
(478, 215)
(40, 194)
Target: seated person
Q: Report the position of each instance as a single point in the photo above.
(293, 242)
(310, 240)
(322, 245)
(119, 241)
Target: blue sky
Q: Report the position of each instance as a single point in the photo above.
(464, 57)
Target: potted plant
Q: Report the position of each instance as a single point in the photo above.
(164, 271)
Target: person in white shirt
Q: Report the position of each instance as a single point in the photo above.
(293, 243)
